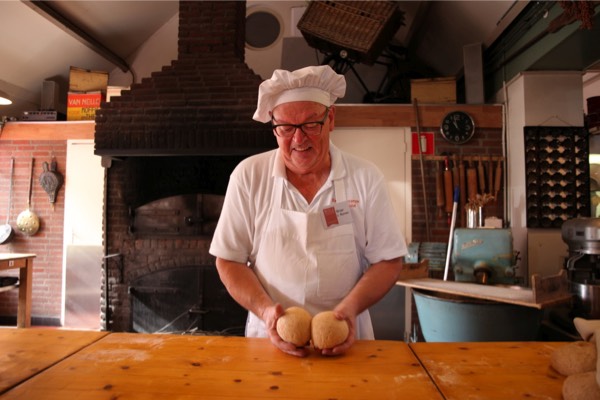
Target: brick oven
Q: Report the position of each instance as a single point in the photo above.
(168, 145)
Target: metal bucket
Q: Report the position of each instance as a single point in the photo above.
(452, 318)
(586, 302)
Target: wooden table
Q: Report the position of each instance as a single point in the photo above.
(24, 262)
(26, 352)
(492, 370)
(146, 366)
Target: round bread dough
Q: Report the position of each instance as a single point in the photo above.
(328, 331)
(294, 326)
(574, 358)
(586, 327)
(581, 387)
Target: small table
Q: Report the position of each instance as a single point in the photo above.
(26, 352)
(24, 262)
(492, 370)
(142, 366)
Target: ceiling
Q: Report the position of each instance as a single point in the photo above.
(40, 48)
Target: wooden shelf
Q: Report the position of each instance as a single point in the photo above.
(43, 130)
(430, 115)
(546, 292)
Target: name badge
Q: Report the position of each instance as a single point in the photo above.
(336, 214)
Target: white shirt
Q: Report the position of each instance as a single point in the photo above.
(238, 235)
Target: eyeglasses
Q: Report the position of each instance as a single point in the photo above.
(312, 128)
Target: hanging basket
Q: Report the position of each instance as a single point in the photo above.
(360, 28)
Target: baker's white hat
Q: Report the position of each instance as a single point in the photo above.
(320, 84)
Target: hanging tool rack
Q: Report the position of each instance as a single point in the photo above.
(478, 178)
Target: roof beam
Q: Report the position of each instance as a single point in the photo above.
(45, 9)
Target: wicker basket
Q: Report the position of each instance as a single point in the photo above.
(361, 28)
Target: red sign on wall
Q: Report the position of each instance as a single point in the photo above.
(427, 143)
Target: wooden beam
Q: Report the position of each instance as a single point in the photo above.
(431, 115)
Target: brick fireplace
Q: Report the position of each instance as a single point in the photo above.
(176, 135)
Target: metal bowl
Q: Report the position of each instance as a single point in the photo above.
(586, 303)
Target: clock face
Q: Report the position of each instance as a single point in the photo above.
(457, 127)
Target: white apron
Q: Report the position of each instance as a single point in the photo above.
(301, 263)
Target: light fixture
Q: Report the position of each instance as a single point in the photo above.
(4, 100)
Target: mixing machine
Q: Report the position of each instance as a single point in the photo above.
(483, 256)
(582, 236)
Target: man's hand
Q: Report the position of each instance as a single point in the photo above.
(345, 346)
(270, 317)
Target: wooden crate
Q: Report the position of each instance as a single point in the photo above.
(435, 90)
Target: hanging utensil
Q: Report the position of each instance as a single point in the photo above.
(498, 183)
(448, 185)
(481, 176)
(27, 221)
(462, 184)
(455, 201)
(439, 189)
(490, 176)
(51, 180)
(471, 181)
(6, 230)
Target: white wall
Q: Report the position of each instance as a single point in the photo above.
(536, 99)
(82, 243)
(389, 149)
(591, 87)
(156, 52)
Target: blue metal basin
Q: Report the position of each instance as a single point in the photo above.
(451, 318)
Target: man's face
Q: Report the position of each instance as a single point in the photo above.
(304, 153)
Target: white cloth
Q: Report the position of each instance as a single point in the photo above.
(320, 84)
(240, 233)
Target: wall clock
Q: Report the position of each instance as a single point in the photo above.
(457, 127)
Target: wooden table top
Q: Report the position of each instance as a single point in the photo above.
(146, 366)
(492, 370)
(15, 256)
(26, 352)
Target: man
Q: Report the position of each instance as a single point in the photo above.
(306, 225)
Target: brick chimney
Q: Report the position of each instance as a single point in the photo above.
(202, 104)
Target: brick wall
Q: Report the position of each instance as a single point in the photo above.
(47, 243)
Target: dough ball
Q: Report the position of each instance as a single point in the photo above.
(294, 326)
(585, 327)
(328, 331)
(581, 387)
(574, 358)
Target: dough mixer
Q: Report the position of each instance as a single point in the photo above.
(582, 236)
(483, 256)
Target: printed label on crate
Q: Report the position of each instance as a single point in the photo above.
(83, 106)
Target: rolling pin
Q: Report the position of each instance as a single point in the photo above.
(498, 179)
(471, 181)
(490, 181)
(448, 187)
(481, 176)
(462, 184)
(439, 190)
(455, 174)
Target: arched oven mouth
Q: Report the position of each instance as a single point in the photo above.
(185, 300)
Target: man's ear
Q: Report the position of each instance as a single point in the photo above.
(331, 117)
